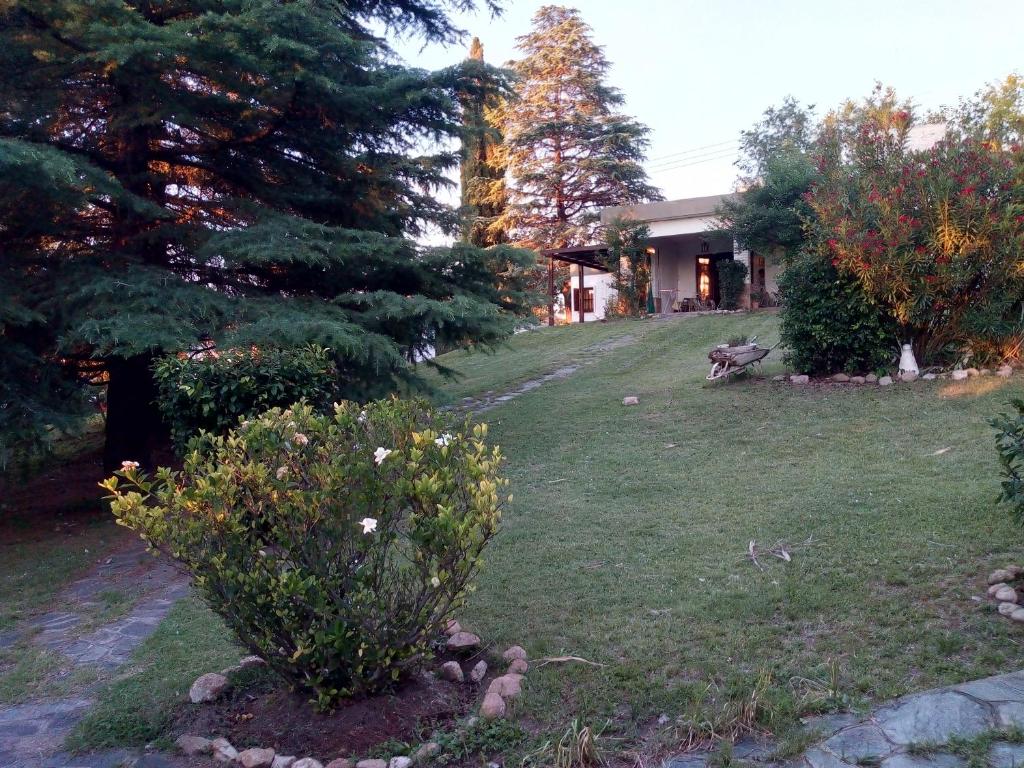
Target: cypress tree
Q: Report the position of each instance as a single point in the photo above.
(250, 170)
(482, 170)
(569, 152)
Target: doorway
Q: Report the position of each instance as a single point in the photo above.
(707, 276)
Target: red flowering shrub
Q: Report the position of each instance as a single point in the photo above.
(935, 237)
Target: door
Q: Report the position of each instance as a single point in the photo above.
(707, 276)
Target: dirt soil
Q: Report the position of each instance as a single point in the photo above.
(290, 725)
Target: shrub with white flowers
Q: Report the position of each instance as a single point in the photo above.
(335, 545)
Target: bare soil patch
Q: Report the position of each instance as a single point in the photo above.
(289, 724)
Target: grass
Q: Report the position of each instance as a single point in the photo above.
(140, 706)
(627, 542)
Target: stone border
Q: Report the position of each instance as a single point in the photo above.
(959, 374)
(212, 685)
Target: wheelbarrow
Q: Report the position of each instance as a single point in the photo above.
(726, 360)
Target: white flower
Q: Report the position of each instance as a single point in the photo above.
(300, 439)
(380, 454)
(361, 417)
(369, 524)
(281, 472)
(126, 465)
(435, 582)
(443, 440)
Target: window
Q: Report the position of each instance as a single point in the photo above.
(588, 299)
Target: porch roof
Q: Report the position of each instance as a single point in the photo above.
(591, 256)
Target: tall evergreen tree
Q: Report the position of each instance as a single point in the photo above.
(569, 152)
(482, 176)
(247, 169)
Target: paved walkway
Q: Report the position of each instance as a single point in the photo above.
(893, 734)
(32, 733)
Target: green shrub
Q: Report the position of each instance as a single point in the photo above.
(211, 393)
(731, 274)
(1010, 445)
(334, 545)
(828, 323)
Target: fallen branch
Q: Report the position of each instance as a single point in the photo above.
(561, 659)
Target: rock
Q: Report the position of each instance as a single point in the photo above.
(479, 670)
(996, 587)
(908, 376)
(426, 751)
(958, 375)
(508, 686)
(802, 378)
(256, 758)
(1006, 595)
(452, 627)
(933, 718)
(340, 762)
(885, 381)
(492, 708)
(372, 764)
(631, 400)
(223, 752)
(929, 377)
(462, 641)
(1014, 570)
(309, 762)
(1000, 575)
(871, 379)
(283, 761)
(840, 378)
(1004, 755)
(1007, 609)
(514, 652)
(452, 672)
(193, 745)
(251, 661)
(400, 762)
(1005, 371)
(779, 377)
(984, 372)
(1018, 615)
(518, 666)
(859, 744)
(858, 379)
(972, 372)
(208, 687)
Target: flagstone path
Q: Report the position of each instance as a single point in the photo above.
(32, 733)
(594, 352)
(893, 735)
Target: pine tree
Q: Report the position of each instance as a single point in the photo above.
(247, 169)
(482, 177)
(569, 153)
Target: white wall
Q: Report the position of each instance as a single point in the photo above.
(602, 283)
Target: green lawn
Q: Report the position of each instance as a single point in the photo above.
(626, 543)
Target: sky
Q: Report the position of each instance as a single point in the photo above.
(698, 73)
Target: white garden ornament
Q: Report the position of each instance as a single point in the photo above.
(908, 363)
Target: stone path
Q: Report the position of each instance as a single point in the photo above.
(489, 400)
(893, 734)
(32, 733)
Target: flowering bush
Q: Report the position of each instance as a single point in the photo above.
(335, 545)
(934, 237)
(212, 392)
(1010, 446)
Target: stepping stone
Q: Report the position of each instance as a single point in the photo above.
(693, 760)
(938, 760)
(933, 718)
(862, 742)
(820, 758)
(827, 725)
(997, 688)
(1010, 714)
(1004, 755)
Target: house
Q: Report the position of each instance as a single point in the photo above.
(686, 244)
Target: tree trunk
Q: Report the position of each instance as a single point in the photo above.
(133, 421)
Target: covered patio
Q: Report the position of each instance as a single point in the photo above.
(591, 275)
